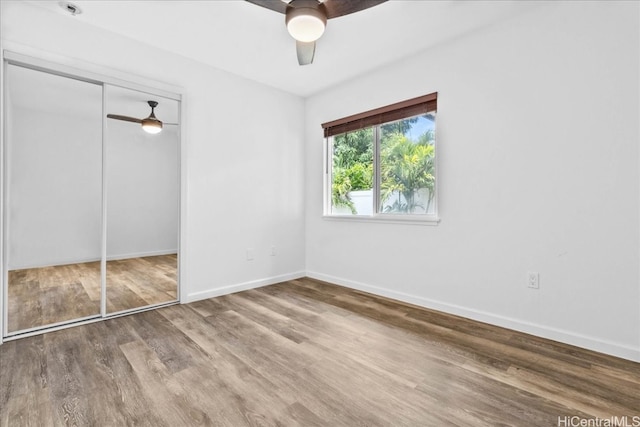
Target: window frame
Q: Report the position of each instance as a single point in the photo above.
(376, 118)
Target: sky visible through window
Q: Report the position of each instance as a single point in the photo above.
(424, 124)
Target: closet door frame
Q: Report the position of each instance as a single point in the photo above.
(101, 76)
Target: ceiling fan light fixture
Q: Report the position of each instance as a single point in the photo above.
(306, 23)
(151, 125)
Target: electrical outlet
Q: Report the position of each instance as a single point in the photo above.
(249, 254)
(533, 280)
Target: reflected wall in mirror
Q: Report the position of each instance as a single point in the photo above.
(143, 183)
(53, 198)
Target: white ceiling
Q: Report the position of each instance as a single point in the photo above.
(253, 42)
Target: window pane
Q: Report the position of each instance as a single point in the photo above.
(407, 165)
(352, 173)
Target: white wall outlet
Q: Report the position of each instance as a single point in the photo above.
(249, 254)
(273, 251)
(533, 280)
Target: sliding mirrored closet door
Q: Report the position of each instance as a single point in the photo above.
(142, 193)
(90, 201)
(52, 199)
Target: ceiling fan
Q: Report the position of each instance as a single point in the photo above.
(306, 19)
(150, 124)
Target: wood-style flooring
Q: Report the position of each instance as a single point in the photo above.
(306, 353)
(48, 295)
(137, 282)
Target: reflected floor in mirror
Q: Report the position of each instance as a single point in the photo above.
(48, 295)
(137, 282)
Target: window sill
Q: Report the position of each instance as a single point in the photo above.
(386, 219)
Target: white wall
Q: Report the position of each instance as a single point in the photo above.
(241, 144)
(54, 170)
(143, 200)
(54, 173)
(538, 156)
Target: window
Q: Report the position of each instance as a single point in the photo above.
(381, 163)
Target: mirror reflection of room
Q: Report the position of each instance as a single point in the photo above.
(77, 199)
(53, 198)
(142, 177)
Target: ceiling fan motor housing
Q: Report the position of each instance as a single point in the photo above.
(151, 124)
(306, 20)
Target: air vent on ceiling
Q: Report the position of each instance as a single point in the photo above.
(70, 8)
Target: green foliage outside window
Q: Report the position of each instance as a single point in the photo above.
(406, 166)
(352, 166)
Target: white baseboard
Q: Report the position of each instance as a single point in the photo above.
(53, 263)
(94, 259)
(142, 254)
(567, 337)
(210, 293)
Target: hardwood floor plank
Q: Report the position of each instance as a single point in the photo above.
(574, 376)
(215, 396)
(272, 320)
(121, 297)
(118, 398)
(236, 382)
(285, 373)
(88, 275)
(138, 282)
(67, 378)
(489, 401)
(303, 416)
(208, 307)
(171, 348)
(255, 401)
(169, 399)
(44, 296)
(305, 353)
(29, 410)
(391, 402)
(260, 339)
(26, 360)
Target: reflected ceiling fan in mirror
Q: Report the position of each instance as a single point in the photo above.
(306, 19)
(150, 124)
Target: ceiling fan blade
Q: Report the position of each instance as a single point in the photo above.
(275, 5)
(336, 8)
(124, 118)
(305, 52)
